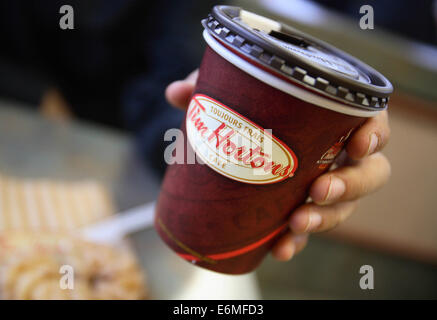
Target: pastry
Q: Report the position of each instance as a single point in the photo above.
(55, 266)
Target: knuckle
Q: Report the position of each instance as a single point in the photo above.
(356, 184)
(384, 137)
(384, 166)
(344, 212)
(362, 187)
(350, 207)
(339, 214)
(385, 130)
(368, 176)
(387, 168)
(387, 133)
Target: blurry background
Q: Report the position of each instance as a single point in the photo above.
(89, 104)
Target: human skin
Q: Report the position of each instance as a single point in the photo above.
(361, 170)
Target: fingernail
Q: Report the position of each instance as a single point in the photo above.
(314, 220)
(300, 238)
(336, 189)
(372, 144)
(299, 242)
(302, 223)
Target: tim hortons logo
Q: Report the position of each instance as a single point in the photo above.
(329, 156)
(234, 146)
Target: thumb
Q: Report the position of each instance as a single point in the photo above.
(179, 92)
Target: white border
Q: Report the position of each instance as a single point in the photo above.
(281, 84)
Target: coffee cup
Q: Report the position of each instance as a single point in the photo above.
(271, 110)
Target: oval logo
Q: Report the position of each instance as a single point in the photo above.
(234, 146)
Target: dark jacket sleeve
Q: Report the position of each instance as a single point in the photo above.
(173, 49)
(114, 66)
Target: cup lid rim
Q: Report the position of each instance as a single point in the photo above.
(316, 72)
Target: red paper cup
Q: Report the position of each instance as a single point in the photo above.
(226, 212)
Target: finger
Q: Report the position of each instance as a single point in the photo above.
(314, 218)
(351, 182)
(288, 246)
(370, 137)
(192, 77)
(179, 92)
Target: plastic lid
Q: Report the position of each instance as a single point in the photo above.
(301, 58)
